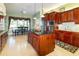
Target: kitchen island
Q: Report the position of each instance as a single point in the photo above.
(42, 43)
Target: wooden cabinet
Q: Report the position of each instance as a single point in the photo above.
(52, 15)
(43, 44)
(68, 37)
(55, 16)
(46, 16)
(47, 44)
(30, 36)
(0, 43)
(58, 18)
(1, 16)
(59, 35)
(67, 16)
(3, 40)
(70, 16)
(76, 15)
(76, 39)
(64, 16)
(35, 42)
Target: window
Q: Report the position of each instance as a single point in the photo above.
(13, 23)
(19, 23)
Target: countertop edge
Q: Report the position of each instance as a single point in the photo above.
(3, 32)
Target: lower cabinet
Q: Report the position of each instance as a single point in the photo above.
(59, 36)
(76, 39)
(0, 44)
(43, 44)
(68, 37)
(3, 40)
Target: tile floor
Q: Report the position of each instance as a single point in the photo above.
(18, 46)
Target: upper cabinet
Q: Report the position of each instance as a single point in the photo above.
(64, 16)
(70, 16)
(67, 16)
(58, 17)
(76, 15)
(52, 15)
(46, 16)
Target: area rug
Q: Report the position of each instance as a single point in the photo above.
(66, 46)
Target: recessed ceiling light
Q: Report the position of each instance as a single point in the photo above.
(42, 15)
(34, 18)
(24, 12)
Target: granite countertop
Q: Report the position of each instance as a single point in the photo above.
(67, 31)
(42, 33)
(2, 32)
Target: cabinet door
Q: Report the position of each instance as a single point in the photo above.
(30, 36)
(51, 42)
(33, 43)
(46, 16)
(47, 44)
(58, 18)
(3, 39)
(50, 16)
(67, 37)
(60, 35)
(76, 41)
(0, 44)
(36, 43)
(76, 15)
(53, 14)
(57, 35)
(64, 17)
(70, 16)
(44, 45)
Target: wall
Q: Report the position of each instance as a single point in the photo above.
(2, 9)
(19, 15)
(3, 12)
(6, 22)
(15, 15)
(36, 23)
(65, 7)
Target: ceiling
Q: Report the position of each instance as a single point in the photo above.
(29, 8)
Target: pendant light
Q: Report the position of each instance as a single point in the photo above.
(42, 11)
(35, 10)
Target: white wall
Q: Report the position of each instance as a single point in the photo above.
(2, 12)
(2, 9)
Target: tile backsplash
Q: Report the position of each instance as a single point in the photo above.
(76, 28)
(69, 26)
